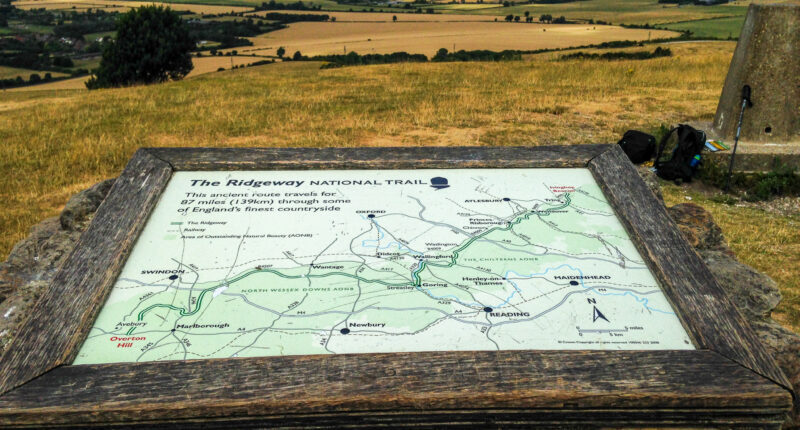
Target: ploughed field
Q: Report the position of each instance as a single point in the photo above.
(322, 38)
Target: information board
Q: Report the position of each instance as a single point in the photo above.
(260, 263)
(374, 287)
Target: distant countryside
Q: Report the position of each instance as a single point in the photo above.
(56, 44)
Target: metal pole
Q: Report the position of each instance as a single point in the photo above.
(745, 103)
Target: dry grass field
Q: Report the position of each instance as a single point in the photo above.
(66, 84)
(212, 64)
(123, 5)
(319, 38)
(201, 65)
(766, 241)
(89, 136)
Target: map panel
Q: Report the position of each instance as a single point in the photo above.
(265, 263)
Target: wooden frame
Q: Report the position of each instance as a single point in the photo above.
(728, 380)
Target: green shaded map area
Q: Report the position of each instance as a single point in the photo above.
(283, 263)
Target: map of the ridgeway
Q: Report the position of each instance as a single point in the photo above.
(237, 264)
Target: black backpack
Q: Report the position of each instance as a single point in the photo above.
(678, 158)
(638, 146)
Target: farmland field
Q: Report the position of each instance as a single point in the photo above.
(326, 4)
(387, 16)
(201, 65)
(65, 84)
(718, 27)
(316, 38)
(615, 11)
(122, 5)
(211, 64)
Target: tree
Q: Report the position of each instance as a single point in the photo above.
(297, 56)
(527, 13)
(394, 18)
(152, 45)
(516, 18)
(509, 18)
(281, 51)
(63, 61)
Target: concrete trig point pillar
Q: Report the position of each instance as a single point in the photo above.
(767, 58)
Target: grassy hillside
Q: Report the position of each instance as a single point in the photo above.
(90, 135)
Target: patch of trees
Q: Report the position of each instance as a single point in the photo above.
(553, 1)
(296, 17)
(132, 58)
(479, 55)
(545, 18)
(548, 19)
(34, 79)
(273, 5)
(25, 53)
(638, 55)
(32, 16)
(695, 2)
(510, 18)
(32, 54)
(355, 59)
(645, 26)
(77, 29)
(709, 2)
(19, 81)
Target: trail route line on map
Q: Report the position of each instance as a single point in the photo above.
(265, 263)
